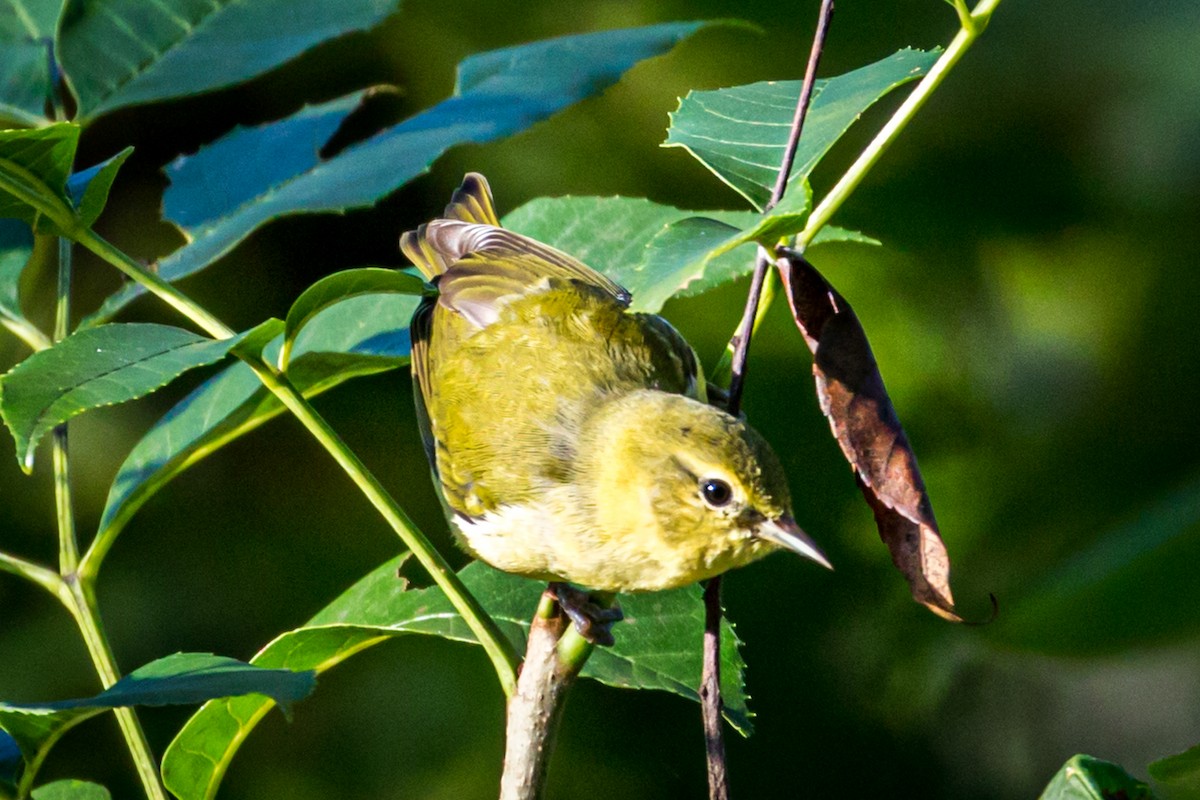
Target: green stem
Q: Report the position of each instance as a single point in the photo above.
(68, 547)
(81, 602)
(49, 580)
(164, 290)
(25, 331)
(499, 649)
(723, 370)
(962, 41)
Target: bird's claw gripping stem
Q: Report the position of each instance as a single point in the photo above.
(592, 614)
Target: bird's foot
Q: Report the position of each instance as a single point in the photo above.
(592, 613)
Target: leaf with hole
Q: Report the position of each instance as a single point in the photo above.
(497, 94)
(658, 647)
(740, 133)
(637, 244)
(94, 368)
(179, 679)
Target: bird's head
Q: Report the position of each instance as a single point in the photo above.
(712, 485)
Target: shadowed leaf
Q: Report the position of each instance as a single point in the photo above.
(853, 397)
(1087, 778)
(1180, 773)
(26, 30)
(89, 188)
(497, 94)
(658, 646)
(179, 679)
(124, 52)
(16, 246)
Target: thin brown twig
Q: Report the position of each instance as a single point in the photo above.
(742, 338)
(710, 681)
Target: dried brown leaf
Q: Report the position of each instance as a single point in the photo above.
(853, 397)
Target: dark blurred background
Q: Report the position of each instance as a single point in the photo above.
(1033, 312)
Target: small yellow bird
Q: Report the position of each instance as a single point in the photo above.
(571, 438)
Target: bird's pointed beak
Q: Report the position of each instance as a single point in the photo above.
(784, 532)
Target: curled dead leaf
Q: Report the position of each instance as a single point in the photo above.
(853, 397)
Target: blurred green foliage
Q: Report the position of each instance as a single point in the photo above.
(1032, 311)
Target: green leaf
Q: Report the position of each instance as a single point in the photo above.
(620, 236)
(179, 679)
(16, 246)
(1180, 773)
(71, 790)
(1087, 778)
(342, 285)
(26, 31)
(1082, 606)
(658, 646)
(89, 188)
(34, 167)
(125, 52)
(497, 94)
(740, 133)
(94, 368)
(359, 336)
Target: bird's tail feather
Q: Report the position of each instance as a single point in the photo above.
(429, 246)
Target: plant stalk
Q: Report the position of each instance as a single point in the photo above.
(962, 41)
(494, 642)
(710, 682)
(553, 658)
(68, 546)
(81, 602)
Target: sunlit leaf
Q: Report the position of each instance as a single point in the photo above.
(71, 789)
(358, 336)
(179, 679)
(37, 162)
(340, 286)
(620, 236)
(497, 94)
(658, 646)
(124, 52)
(26, 31)
(1087, 778)
(94, 368)
(740, 133)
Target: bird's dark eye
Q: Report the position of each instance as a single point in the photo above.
(716, 492)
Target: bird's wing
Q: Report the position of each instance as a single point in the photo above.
(470, 232)
(419, 331)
